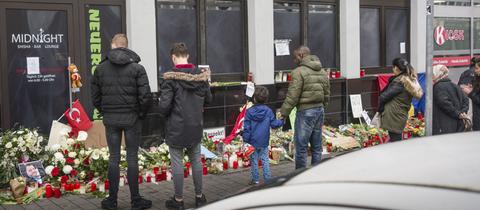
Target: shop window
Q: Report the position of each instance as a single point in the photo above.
(465, 3)
(396, 29)
(175, 23)
(322, 33)
(476, 34)
(287, 20)
(451, 34)
(214, 31)
(225, 44)
(476, 2)
(370, 37)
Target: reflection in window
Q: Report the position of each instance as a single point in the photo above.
(369, 37)
(396, 23)
(225, 44)
(322, 33)
(176, 22)
(451, 34)
(287, 21)
(476, 33)
(465, 3)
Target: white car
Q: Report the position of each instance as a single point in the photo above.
(438, 172)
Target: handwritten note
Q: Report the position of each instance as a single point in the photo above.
(33, 65)
(282, 47)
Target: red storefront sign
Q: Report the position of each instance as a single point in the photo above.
(452, 61)
(441, 35)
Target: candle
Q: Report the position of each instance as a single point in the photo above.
(149, 179)
(48, 191)
(205, 170)
(156, 170)
(107, 184)
(337, 74)
(57, 193)
(185, 173)
(235, 164)
(101, 187)
(82, 189)
(93, 187)
(77, 185)
(122, 182)
(140, 179)
(169, 176)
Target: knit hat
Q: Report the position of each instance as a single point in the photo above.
(439, 72)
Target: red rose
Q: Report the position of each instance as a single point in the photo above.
(70, 161)
(55, 172)
(74, 173)
(77, 146)
(86, 162)
(65, 152)
(64, 179)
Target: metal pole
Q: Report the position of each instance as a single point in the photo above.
(69, 84)
(429, 69)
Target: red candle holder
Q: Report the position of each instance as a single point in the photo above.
(205, 170)
(337, 74)
(76, 185)
(57, 193)
(362, 73)
(140, 179)
(149, 179)
(107, 184)
(93, 187)
(185, 173)
(225, 165)
(156, 170)
(235, 164)
(48, 191)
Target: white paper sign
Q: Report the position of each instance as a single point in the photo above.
(366, 117)
(282, 47)
(357, 108)
(33, 65)
(217, 134)
(250, 89)
(402, 48)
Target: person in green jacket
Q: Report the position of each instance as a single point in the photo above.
(309, 92)
(396, 98)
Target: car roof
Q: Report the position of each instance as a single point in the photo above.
(445, 161)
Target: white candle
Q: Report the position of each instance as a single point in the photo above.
(122, 182)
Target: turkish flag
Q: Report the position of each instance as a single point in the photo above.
(237, 127)
(78, 118)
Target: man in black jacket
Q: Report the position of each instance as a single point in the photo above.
(121, 93)
(183, 94)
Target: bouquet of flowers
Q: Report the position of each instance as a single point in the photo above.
(18, 146)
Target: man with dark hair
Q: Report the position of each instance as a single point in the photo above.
(121, 93)
(183, 94)
(309, 92)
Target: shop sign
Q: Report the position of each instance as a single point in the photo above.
(442, 35)
(452, 61)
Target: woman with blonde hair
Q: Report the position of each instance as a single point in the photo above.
(450, 104)
(396, 98)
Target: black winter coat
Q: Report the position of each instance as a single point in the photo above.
(120, 88)
(183, 94)
(475, 96)
(448, 102)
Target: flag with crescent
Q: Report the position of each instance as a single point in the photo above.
(78, 118)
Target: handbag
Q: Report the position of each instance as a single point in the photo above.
(467, 122)
(376, 121)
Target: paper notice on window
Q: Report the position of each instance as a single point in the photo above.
(366, 117)
(356, 102)
(282, 47)
(250, 89)
(33, 65)
(403, 49)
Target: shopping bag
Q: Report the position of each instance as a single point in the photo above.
(58, 133)
(376, 121)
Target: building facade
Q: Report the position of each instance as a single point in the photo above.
(237, 38)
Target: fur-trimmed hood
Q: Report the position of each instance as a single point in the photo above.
(412, 86)
(184, 76)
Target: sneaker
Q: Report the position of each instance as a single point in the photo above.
(109, 204)
(200, 201)
(253, 182)
(141, 203)
(172, 203)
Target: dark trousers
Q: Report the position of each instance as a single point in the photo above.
(395, 136)
(132, 141)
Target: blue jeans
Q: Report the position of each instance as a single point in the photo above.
(262, 154)
(308, 129)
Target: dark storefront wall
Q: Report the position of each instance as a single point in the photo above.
(31, 99)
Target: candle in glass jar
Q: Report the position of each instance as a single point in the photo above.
(101, 187)
(93, 187)
(57, 193)
(122, 182)
(48, 191)
(82, 189)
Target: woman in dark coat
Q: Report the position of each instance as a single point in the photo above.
(450, 104)
(473, 92)
(396, 98)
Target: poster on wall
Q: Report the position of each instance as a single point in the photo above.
(37, 56)
(451, 34)
(103, 22)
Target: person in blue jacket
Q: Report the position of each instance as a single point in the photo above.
(258, 120)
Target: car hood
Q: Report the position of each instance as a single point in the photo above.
(446, 161)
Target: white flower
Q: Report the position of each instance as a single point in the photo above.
(104, 149)
(40, 139)
(70, 141)
(153, 149)
(48, 170)
(72, 154)
(82, 175)
(77, 162)
(8, 145)
(82, 152)
(95, 155)
(82, 136)
(20, 132)
(169, 156)
(58, 156)
(141, 157)
(67, 169)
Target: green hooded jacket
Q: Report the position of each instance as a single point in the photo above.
(310, 87)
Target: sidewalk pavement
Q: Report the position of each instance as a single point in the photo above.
(215, 187)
